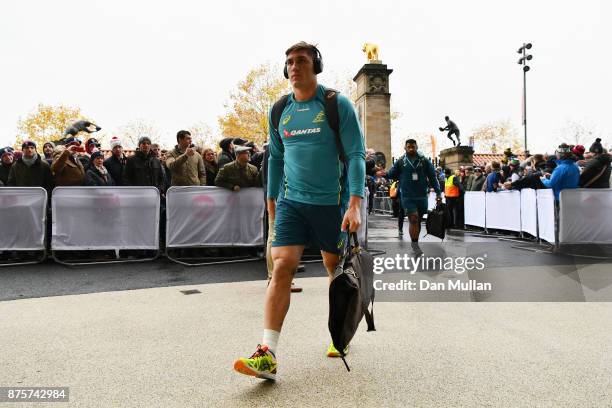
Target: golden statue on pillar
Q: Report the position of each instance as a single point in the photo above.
(371, 51)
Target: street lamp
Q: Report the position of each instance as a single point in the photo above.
(523, 61)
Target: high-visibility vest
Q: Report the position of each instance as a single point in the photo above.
(450, 190)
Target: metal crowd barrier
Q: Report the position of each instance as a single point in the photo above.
(23, 216)
(213, 218)
(383, 205)
(121, 222)
(580, 221)
(92, 225)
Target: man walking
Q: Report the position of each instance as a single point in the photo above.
(415, 173)
(304, 149)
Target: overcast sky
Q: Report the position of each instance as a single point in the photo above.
(175, 62)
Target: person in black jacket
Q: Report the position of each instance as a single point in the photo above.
(31, 170)
(7, 156)
(116, 162)
(97, 174)
(478, 180)
(143, 168)
(257, 155)
(596, 173)
(227, 152)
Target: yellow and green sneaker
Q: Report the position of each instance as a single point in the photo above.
(332, 352)
(262, 364)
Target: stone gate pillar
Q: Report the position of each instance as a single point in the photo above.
(373, 104)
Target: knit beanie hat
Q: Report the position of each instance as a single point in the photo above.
(115, 141)
(596, 147)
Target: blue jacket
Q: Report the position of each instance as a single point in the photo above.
(565, 175)
(402, 170)
(492, 179)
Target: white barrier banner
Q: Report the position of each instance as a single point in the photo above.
(475, 208)
(529, 212)
(103, 218)
(211, 216)
(546, 215)
(584, 216)
(503, 210)
(23, 215)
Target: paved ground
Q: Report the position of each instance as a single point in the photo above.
(129, 337)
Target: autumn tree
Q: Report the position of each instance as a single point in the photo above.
(137, 128)
(248, 106)
(497, 136)
(575, 132)
(47, 123)
(202, 135)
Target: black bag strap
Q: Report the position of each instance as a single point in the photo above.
(333, 119)
(331, 113)
(277, 112)
(369, 316)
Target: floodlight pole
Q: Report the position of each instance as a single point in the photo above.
(523, 62)
(525, 95)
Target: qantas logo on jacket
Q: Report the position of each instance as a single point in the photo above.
(301, 132)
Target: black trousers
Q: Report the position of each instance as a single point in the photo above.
(453, 209)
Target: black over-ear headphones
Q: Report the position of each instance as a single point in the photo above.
(317, 63)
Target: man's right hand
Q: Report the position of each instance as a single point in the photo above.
(72, 149)
(189, 151)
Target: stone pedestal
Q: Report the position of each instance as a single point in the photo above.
(457, 156)
(373, 104)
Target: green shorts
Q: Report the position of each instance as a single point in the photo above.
(301, 224)
(415, 205)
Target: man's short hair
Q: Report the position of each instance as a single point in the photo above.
(410, 141)
(155, 146)
(182, 134)
(303, 46)
(495, 165)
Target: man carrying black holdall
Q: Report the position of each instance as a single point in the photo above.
(317, 153)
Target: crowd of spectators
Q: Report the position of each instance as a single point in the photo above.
(570, 167)
(74, 163)
(238, 165)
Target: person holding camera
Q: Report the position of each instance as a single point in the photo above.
(185, 164)
(67, 169)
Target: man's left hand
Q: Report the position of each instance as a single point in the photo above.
(352, 219)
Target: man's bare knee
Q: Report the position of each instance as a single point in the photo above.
(284, 268)
(413, 218)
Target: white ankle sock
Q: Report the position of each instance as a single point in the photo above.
(270, 339)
